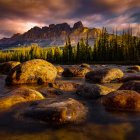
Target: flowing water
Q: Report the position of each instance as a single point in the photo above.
(100, 124)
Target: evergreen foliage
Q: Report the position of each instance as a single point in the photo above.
(107, 47)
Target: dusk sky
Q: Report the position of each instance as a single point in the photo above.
(18, 16)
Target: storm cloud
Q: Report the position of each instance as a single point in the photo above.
(21, 15)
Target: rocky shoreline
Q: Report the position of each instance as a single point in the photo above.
(51, 103)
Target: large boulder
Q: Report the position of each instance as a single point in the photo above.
(19, 95)
(134, 68)
(64, 85)
(104, 75)
(93, 91)
(122, 100)
(56, 110)
(131, 85)
(33, 71)
(51, 92)
(75, 72)
(129, 78)
(6, 67)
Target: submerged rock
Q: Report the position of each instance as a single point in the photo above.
(18, 96)
(33, 71)
(129, 78)
(85, 65)
(51, 92)
(64, 85)
(135, 68)
(131, 85)
(104, 75)
(93, 91)
(6, 67)
(75, 72)
(122, 100)
(57, 111)
(130, 71)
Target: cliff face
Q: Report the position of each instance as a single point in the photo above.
(51, 36)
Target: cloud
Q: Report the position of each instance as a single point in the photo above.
(123, 22)
(21, 15)
(9, 27)
(117, 6)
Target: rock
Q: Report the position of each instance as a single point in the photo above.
(75, 72)
(85, 65)
(57, 111)
(33, 71)
(58, 76)
(131, 85)
(97, 66)
(19, 95)
(104, 75)
(52, 35)
(51, 92)
(78, 25)
(122, 100)
(93, 91)
(6, 67)
(135, 68)
(59, 69)
(129, 78)
(130, 71)
(64, 85)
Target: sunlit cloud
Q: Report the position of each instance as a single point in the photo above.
(18, 16)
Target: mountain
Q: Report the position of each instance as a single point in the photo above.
(51, 36)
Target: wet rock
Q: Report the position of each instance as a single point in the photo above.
(6, 67)
(75, 72)
(135, 68)
(122, 100)
(97, 66)
(130, 71)
(104, 75)
(64, 85)
(51, 92)
(59, 69)
(93, 91)
(19, 95)
(85, 65)
(33, 71)
(129, 78)
(57, 111)
(131, 85)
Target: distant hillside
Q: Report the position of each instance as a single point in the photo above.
(53, 35)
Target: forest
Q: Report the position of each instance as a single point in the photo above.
(107, 48)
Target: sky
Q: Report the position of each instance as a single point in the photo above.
(18, 16)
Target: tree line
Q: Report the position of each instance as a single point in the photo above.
(107, 48)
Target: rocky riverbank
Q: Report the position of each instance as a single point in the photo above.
(36, 91)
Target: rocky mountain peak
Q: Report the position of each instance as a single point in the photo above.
(16, 35)
(34, 29)
(60, 27)
(54, 34)
(77, 25)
